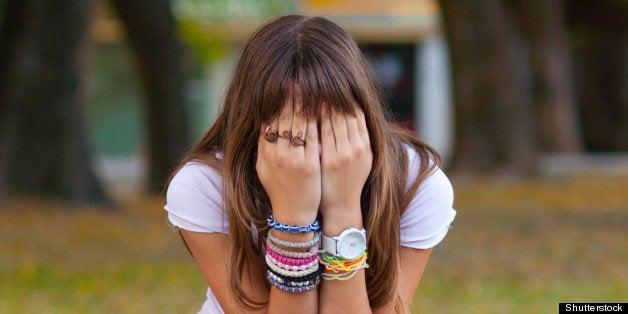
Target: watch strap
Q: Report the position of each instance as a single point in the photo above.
(328, 244)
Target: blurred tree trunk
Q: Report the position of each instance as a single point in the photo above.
(545, 27)
(495, 129)
(601, 46)
(43, 136)
(160, 52)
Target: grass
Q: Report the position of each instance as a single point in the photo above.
(516, 247)
(523, 247)
(56, 260)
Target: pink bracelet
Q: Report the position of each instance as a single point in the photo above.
(288, 260)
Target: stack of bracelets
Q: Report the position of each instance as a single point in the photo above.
(295, 272)
(292, 271)
(338, 268)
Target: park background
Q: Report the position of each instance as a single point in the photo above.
(526, 100)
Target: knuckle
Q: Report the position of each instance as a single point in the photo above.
(363, 147)
(331, 164)
(282, 159)
(344, 158)
(358, 151)
(309, 170)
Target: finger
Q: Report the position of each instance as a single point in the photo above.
(261, 141)
(353, 132)
(328, 143)
(269, 136)
(285, 120)
(262, 145)
(311, 139)
(362, 129)
(298, 118)
(339, 124)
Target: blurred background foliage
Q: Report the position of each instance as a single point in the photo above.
(512, 88)
(196, 17)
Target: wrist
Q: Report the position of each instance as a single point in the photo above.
(289, 220)
(337, 220)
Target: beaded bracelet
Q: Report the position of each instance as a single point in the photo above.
(291, 289)
(293, 283)
(312, 252)
(290, 266)
(297, 245)
(289, 260)
(308, 277)
(290, 273)
(272, 223)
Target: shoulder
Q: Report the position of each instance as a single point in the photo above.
(194, 199)
(436, 183)
(197, 176)
(426, 220)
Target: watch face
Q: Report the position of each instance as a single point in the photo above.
(352, 245)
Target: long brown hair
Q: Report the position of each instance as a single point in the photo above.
(328, 65)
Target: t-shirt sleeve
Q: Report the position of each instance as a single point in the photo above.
(194, 200)
(428, 217)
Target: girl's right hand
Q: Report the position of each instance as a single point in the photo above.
(291, 174)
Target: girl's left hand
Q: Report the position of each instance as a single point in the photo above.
(346, 161)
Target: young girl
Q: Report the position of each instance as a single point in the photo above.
(302, 197)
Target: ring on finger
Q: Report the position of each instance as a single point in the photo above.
(270, 136)
(297, 140)
(286, 135)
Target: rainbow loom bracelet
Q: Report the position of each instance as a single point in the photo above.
(272, 223)
(338, 264)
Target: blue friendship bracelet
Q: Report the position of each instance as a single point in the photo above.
(292, 228)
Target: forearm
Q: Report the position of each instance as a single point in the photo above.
(284, 302)
(303, 300)
(350, 295)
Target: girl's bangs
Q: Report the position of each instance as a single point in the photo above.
(314, 90)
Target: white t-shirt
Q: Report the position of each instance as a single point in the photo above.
(194, 203)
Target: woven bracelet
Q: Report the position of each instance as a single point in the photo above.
(343, 276)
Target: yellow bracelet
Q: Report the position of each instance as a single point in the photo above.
(338, 264)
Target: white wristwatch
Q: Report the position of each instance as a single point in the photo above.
(350, 244)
